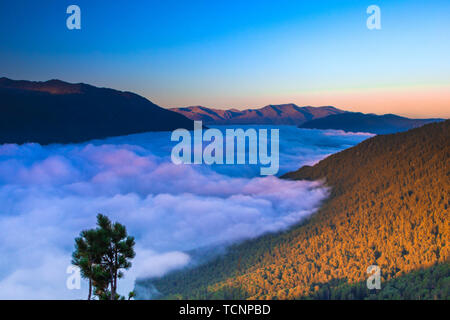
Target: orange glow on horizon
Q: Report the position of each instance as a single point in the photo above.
(412, 102)
(433, 102)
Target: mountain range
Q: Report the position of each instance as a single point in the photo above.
(283, 114)
(59, 112)
(55, 111)
(308, 117)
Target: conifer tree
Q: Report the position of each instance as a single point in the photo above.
(101, 254)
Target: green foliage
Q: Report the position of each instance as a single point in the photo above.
(431, 283)
(101, 254)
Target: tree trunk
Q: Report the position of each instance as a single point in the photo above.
(115, 282)
(113, 291)
(90, 289)
(115, 275)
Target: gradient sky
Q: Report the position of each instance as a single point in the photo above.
(240, 54)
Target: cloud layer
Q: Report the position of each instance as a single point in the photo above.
(49, 194)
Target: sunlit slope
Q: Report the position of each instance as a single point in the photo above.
(389, 206)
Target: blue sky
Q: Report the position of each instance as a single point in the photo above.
(240, 53)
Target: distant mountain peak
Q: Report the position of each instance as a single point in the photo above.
(280, 114)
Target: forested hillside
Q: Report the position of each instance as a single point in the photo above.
(389, 206)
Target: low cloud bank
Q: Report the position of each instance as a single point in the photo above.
(49, 194)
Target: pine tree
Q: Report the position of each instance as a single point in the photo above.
(101, 253)
(119, 251)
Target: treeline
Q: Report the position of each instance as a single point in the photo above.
(431, 283)
(389, 206)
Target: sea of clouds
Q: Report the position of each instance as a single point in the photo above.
(48, 194)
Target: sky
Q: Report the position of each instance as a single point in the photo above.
(240, 54)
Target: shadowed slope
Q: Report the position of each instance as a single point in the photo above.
(360, 122)
(59, 112)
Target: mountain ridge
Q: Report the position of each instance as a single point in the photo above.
(55, 111)
(307, 117)
(283, 114)
(360, 122)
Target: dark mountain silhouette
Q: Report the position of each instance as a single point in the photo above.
(360, 122)
(388, 206)
(59, 112)
(284, 114)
